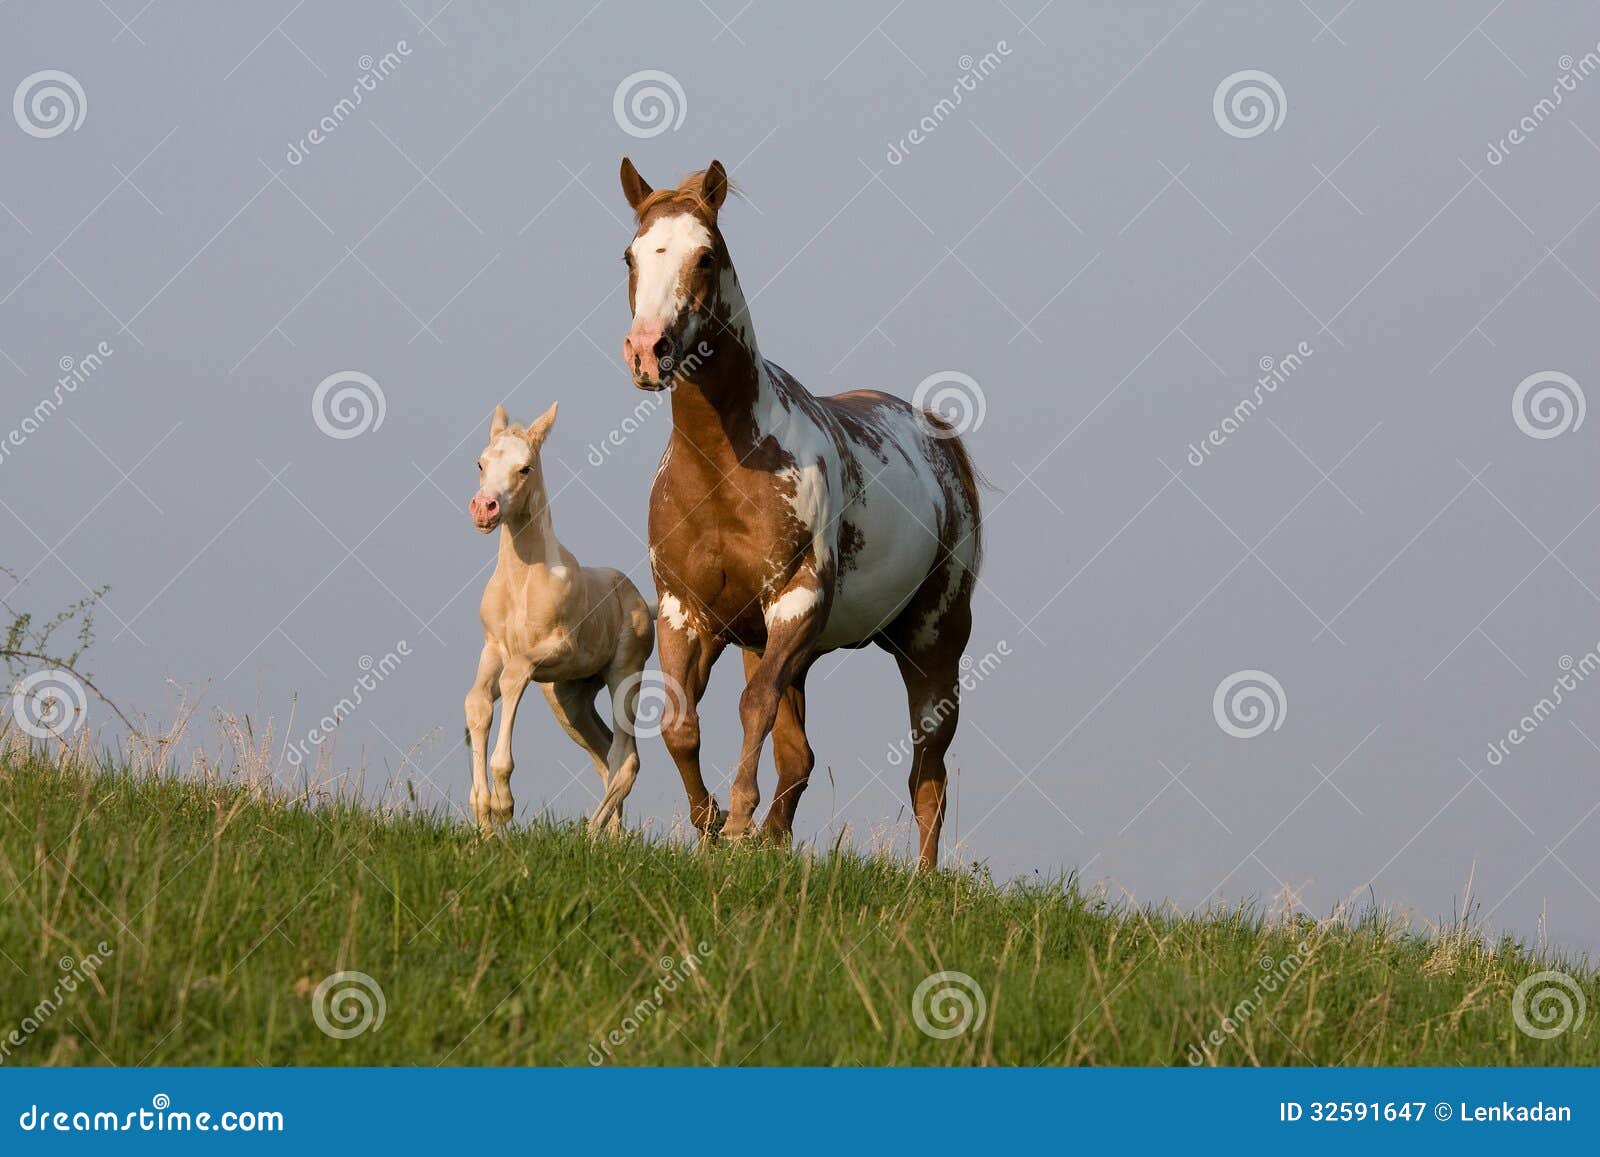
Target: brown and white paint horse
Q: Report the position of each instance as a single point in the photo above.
(785, 524)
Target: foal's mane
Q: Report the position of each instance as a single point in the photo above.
(686, 197)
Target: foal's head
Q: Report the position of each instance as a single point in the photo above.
(510, 482)
(679, 275)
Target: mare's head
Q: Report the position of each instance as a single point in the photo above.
(681, 287)
(510, 482)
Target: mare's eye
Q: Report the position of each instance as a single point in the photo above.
(480, 463)
(525, 469)
(705, 262)
(627, 258)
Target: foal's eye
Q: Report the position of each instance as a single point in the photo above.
(627, 258)
(480, 463)
(705, 262)
(525, 469)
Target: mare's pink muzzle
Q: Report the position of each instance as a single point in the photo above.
(647, 352)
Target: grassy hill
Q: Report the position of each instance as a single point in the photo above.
(197, 923)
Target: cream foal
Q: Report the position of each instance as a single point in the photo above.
(573, 629)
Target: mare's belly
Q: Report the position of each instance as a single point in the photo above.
(887, 544)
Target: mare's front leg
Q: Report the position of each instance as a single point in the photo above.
(480, 714)
(686, 657)
(789, 651)
(514, 679)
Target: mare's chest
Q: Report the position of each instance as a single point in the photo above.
(724, 546)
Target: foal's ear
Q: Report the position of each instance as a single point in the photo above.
(634, 187)
(499, 422)
(539, 428)
(714, 186)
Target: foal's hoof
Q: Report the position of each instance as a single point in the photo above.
(747, 834)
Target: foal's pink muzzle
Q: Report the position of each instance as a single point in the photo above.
(485, 511)
(647, 352)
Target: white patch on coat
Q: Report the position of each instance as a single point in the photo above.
(898, 513)
(673, 611)
(659, 255)
(794, 603)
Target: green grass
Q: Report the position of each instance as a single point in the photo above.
(223, 907)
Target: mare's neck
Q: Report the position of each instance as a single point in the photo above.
(723, 405)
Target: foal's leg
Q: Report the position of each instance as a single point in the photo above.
(787, 654)
(791, 754)
(480, 714)
(572, 703)
(514, 679)
(623, 757)
(686, 657)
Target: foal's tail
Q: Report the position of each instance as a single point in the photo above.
(971, 479)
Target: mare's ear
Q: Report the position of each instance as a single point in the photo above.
(714, 187)
(634, 187)
(499, 422)
(539, 429)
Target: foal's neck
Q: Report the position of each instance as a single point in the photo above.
(529, 541)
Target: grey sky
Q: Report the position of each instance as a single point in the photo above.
(1079, 235)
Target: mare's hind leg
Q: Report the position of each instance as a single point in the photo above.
(927, 642)
(791, 754)
(572, 703)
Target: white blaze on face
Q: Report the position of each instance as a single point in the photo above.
(659, 256)
(502, 466)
